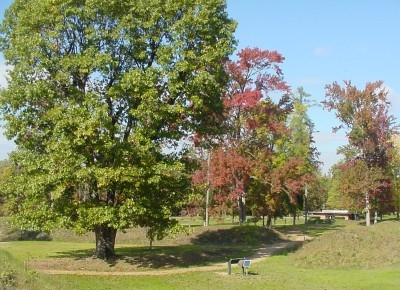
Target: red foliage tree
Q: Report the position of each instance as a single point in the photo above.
(249, 109)
(370, 128)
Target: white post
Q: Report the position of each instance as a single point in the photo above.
(305, 205)
(208, 186)
(367, 213)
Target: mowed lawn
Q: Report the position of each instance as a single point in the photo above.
(343, 255)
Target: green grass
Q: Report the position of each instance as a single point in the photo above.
(343, 255)
(274, 274)
(355, 246)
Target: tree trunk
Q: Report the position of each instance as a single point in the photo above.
(269, 221)
(294, 217)
(367, 218)
(367, 211)
(105, 242)
(242, 210)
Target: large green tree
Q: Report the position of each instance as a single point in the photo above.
(98, 91)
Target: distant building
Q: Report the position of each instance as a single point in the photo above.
(329, 214)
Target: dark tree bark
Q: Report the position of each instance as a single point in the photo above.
(269, 221)
(294, 216)
(242, 210)
(105, 242)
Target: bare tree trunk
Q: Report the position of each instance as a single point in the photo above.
(294, 216)
(367, 211)
(305, 206)
(367, 218)
(105, 242)
(242, 210)
(269, 221)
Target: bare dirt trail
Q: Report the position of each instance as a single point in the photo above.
(260, 254)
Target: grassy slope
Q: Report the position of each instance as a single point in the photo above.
(355, 246)
(344, 255)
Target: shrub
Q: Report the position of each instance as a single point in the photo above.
(8, 276)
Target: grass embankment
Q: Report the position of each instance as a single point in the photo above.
(355, 246)
(343, 255)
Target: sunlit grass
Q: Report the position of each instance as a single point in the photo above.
(354, 246)
(342, 255)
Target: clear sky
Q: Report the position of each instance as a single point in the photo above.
(323, 41)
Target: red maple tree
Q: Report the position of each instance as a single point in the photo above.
(251, 118)
(369, 128)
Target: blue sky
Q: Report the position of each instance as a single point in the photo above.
(323, 41)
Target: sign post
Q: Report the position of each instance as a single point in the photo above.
(242, 262)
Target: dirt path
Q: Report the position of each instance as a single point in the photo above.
(261, 254)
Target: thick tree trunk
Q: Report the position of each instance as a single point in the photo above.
(105, 242)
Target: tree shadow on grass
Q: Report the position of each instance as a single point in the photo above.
(208, 247)
(181, 256)
(164, 257)
(239, 235)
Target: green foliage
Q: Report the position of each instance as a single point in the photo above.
(8, 276)
(301, 143)
(6, 170)
(395, 173)
(337, 199)
(99, 96)
(356, 180)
